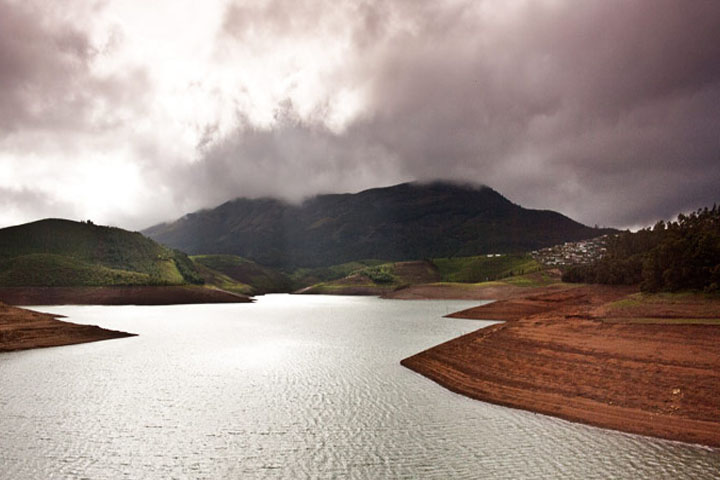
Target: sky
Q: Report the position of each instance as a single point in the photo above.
(131, 113)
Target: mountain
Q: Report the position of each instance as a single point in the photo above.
(404, 222)
(55, 252)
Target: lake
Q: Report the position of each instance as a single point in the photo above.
(288, 387)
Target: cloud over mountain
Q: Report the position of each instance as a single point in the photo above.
(605, 110)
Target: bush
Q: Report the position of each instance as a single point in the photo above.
(379, 274)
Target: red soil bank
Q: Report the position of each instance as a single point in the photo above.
(556, 356)
(21, 329)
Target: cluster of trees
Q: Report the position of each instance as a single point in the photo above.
(679, 255)
(378, 274)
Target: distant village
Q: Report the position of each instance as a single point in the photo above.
(572, 253)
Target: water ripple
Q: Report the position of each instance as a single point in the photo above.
(288, 387)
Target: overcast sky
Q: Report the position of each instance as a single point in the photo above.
(133, 112)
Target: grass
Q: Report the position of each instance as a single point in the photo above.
(51, 270)
(682, 308)
(483, 268)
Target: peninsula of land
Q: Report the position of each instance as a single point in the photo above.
(22, 329)
(600, 355)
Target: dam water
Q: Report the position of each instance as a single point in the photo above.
(288, 387)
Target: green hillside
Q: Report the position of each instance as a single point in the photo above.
(238, 274)
(303, 277)
(57, 252)
(377, 279)
(372, 275)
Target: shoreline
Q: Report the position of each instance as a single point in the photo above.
(22, 329)
(135, 295)
(563, 352)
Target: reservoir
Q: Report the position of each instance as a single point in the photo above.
(288, 387)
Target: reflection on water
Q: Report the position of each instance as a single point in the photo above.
(288, 387)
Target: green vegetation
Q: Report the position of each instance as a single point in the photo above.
(533, 280)
(58, 252)
(241, 275)
(58, 271)
(303, 277)
(702, 302)
(483, 268)
(384, 276)
(380, 274)
(672, 256)
(513, 269)
(680, 308)
(217, 279)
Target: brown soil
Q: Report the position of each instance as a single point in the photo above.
(468, 291)
(170, 295)
(454, 291)
(555, 355)
(498, 290)
(355, 284)
(531, 301)
(21, 329)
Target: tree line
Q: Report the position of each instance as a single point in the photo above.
(671, 256)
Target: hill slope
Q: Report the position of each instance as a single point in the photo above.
(403, 222)
(379, 279)
(55, 252)
(238, 274)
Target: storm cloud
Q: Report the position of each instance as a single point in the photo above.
(608, 111)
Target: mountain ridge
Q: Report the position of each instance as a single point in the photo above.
(408, 221)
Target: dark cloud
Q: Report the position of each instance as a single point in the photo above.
(608, 110)
(292, 160)
(46, 79)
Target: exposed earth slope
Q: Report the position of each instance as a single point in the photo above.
(22, 329)
(576, 353)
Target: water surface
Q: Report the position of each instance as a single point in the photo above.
(288, 387)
